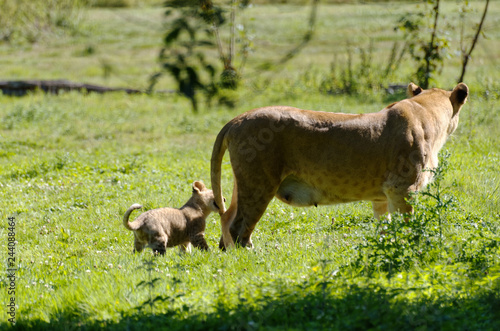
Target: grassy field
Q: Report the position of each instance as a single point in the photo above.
(70, 165)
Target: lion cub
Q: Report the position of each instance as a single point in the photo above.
(168, 227)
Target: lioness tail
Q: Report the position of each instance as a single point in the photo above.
(126, 223)
(220, 147)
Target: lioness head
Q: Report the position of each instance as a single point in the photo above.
(457, 98)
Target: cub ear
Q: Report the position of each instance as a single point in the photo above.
(198, 187)
(413, 90)
(459, 96)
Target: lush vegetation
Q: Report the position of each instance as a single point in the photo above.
(70, 165)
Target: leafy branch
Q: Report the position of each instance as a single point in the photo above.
(466, 55)
(193, 33)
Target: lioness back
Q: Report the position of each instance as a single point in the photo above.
(320, 157)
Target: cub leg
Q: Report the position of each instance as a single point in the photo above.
(198, 241)
(159, 245)
(185, 247)
(138, 245)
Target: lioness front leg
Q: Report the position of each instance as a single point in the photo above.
(398, 201)
(380, 208)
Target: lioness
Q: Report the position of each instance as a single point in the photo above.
(168, 227)
(310, 158)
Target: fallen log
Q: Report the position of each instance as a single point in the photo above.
(22, 87)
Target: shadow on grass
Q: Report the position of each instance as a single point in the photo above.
(361, 309)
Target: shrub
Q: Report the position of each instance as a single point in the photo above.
(425, 237)
(28, 20)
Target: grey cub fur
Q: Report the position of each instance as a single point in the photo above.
(168, 227)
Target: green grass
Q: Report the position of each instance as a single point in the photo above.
(70, 166)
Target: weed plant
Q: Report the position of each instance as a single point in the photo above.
(401, 242)
(426, 237)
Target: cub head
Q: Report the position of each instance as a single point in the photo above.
(204, 197)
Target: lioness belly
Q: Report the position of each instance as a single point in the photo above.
(301, 192)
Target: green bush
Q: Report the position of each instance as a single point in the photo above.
(29, 20)
(425, 237)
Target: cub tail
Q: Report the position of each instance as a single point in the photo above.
(126, 223)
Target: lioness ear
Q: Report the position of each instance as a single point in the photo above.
(198, 187)
(459, 96)
(413, 90)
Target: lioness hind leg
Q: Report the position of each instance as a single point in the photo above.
(248, 203)
(255, 186)
(251, 207)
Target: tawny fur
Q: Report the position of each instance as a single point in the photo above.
(310, 158)
(168, 227)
